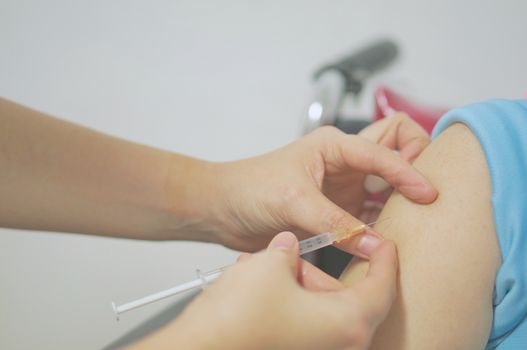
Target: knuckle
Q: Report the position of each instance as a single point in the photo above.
(377, 162)
(366, 153)
(372, 156)
(327, 132)
(393, 173)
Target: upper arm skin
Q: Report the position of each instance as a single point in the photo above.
(448, 252)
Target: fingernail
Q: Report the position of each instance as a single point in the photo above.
(368, 243)
(284, 240)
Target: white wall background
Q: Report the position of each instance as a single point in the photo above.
(215, 79)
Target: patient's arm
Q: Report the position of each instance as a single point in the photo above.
(448, 252)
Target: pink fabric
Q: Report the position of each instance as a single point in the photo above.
(388, 102)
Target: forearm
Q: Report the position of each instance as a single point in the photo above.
(58, 176)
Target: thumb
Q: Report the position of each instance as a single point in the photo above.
(287, 243)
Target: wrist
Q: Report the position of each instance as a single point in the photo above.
(192, 193)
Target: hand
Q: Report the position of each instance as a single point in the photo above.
(275, 300)
(316, 183)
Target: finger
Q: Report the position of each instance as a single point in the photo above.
(399, 132)
(287, 243)
(314, 213)
(314, 279)
(243, 257)
(357, 153)
(361, 245)
(378, 289)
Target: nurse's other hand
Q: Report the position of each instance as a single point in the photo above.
(276, 300)
(315, 184)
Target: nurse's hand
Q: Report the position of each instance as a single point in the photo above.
(275, 300)
(314, 184)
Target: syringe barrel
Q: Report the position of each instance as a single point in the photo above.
(317, 242)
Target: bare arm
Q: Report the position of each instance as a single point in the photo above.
(448, 252)
(62, 177)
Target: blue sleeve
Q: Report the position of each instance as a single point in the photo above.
(501, 128)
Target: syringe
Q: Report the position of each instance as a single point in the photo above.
(204, 278)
